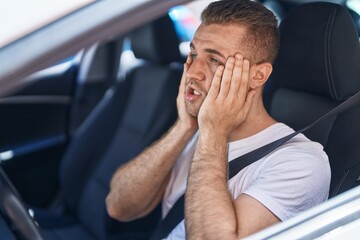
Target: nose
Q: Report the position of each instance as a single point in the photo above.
(196, 70)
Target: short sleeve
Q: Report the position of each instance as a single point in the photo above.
(292, 179)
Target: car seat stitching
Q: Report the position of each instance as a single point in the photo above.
(328, 67)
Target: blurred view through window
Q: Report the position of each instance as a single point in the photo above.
(19, 17)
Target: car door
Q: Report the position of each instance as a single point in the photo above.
(49, 98)
(34, 131)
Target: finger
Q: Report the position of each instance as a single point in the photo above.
(226, 78)
(237, 74)
(244, 83)
(215, 83)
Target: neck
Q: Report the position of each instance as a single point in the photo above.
(257, 120)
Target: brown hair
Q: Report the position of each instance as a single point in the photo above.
(261, 25)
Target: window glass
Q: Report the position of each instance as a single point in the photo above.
(354, 5)
(20, 17)
(186, 19)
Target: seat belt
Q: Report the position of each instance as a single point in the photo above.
(176, 213)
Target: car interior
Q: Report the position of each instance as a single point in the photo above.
(117, 130)
(72, 128)
(316, 70)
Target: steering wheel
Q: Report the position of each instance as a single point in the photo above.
(12, 207)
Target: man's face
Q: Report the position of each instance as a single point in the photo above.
(211, 47)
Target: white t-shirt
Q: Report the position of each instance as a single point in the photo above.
(287, 181)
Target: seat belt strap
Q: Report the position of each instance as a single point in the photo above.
(176, 213)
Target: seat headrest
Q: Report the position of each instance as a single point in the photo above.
(319, 51)
(100, 62)
(156, 42)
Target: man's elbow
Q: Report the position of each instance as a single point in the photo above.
(115, 211)
(120, 213)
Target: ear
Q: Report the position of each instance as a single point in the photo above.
(260, 74)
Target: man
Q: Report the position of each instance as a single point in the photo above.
(221, 96)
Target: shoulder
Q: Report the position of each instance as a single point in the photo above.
(301, 163)
(293, 178)
(299, 153)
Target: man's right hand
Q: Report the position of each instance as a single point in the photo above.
(185, 120)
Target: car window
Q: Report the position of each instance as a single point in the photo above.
(186, 19)
(354, 5)
(20, 17)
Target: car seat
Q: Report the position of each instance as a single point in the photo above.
(131, 115)
(317, 68)
(97, 72)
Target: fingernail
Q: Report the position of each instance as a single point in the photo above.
(238, 56)
(231, 59)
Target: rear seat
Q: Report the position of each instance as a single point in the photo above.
(130, 117)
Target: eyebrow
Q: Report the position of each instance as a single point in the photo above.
(209, 50)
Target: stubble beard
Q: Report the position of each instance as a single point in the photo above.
(193, 108)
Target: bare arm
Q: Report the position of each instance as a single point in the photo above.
(138, 187)
(210, 211)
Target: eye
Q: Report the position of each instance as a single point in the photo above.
(193, 55)
(215, 61)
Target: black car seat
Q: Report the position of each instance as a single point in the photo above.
(97, 72)
(317, 69)
(130, 117)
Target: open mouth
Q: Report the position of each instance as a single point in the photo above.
(193, 91)
(192, 94)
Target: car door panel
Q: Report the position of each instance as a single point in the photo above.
(34, 132)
